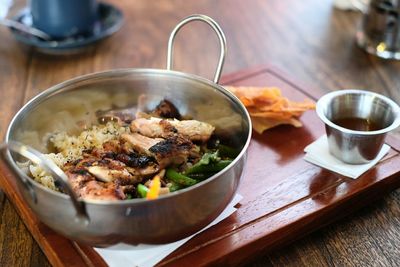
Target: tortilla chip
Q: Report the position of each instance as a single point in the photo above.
(262, 124)
(268, 108)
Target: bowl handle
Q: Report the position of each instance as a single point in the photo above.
(214, 25)
(50, 167)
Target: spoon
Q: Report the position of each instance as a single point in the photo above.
(24, 28)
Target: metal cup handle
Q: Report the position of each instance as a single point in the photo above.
(214, 25)
(50, 167)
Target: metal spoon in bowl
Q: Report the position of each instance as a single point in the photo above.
(25, 28)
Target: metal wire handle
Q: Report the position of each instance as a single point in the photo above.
(50, 167)
(214, 25)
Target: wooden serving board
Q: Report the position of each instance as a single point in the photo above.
(284, 197)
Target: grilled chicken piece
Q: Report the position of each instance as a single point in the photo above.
(153, 127)
(156, 127)
(108, 170)
(84, 183)
(195, 130)
(166, 109)
(113, 146)
(135, 160)
(86, 187)
(109, 150)
(148, 170)
(137, 142)
(78, 178)
(97, 191)
(106, 174)
(173, 150)
(139, 164)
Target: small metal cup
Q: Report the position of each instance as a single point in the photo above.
(353, 146)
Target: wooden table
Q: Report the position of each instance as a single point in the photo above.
(309, 40)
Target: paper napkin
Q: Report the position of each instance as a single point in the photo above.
(318, 153)
(356, 5)
(150, 255)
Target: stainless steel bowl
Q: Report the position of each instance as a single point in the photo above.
(348, 142)
(102, 223)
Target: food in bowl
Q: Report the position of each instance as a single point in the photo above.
(141, 156)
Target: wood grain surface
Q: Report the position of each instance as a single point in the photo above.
(309, 40)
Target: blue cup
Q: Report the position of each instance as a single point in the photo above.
(64, 18)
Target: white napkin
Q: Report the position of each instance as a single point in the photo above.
(150, 255)
(4, 7)
(318, 153)
(356, 5)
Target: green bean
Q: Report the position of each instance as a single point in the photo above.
(142, 190)
(207, 159)
(179, 178)
(212, 167)
(200, 176)
(227, 151)
(174, 187)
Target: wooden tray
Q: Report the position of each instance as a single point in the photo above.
(284, 197)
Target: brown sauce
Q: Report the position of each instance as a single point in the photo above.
(358, 124)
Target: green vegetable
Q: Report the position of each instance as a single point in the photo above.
(200, 176)
(207, 169)
(207, 159)
(174, 187)
(227, 151)
(142, 190)
(128, 196)
(179, 178)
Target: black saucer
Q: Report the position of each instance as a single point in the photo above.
(110, 21)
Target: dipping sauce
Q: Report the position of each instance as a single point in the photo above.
(358, 124)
